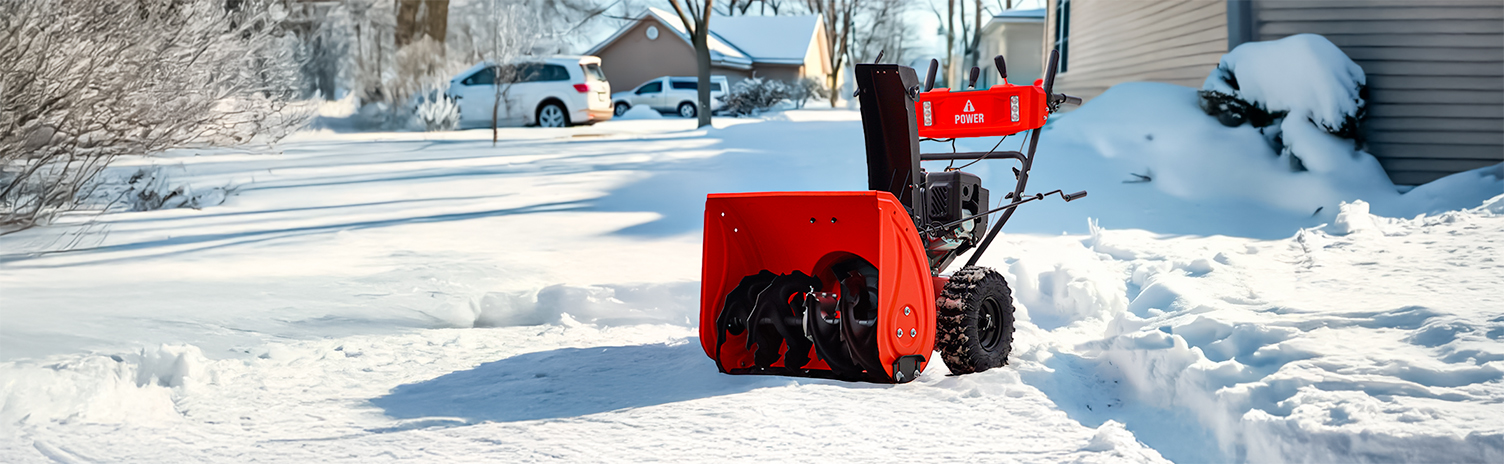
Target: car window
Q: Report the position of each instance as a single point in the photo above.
(526, 72)
(485, 76)
(685, 85)
(553, 72)
(593, 72)
(651, 87)
(717, 87)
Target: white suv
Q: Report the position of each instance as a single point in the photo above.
(551, 92)
(677, 94)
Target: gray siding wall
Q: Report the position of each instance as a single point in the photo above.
(1114, 41)
(1435, 75)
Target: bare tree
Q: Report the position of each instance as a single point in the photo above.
(881, 27)
(83, 82)
(969, 37)
(837, 17)
(695, 14)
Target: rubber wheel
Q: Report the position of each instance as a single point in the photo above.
(552, 115)
(975, 321)
(621, 108)
(687, 110)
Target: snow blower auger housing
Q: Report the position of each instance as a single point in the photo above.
(849, 285)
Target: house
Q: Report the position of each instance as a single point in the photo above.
(1018, 35)
(1435, 68)
(656, 44)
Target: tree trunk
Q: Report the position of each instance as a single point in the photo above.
(702, 65)
(417, 18)
(950, 44)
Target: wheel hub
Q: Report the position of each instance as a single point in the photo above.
(989, 328)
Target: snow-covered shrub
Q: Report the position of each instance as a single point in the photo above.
(1300, 85)
(752, 96)
(433, 111)
(807, 89)
(151, 189)
(86, 81)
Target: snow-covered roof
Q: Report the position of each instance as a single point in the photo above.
(768, 39)
(1020, 16)
(740, 40)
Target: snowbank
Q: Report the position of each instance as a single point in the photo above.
(611, 305)
(139, 388)
(1369, 339)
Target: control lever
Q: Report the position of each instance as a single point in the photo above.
(1002, 68)
(975, 73)
(1059, 98)
(929, 77)
(1073, 196)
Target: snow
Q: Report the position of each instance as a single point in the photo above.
(368, 297)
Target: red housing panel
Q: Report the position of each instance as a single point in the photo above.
(1001, 110)
(810, 231)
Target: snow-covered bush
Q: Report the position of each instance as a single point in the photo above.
(1300, 85)
(85, 81)
(752, 96)
(807, 89)
(151, 189)
(433, 111)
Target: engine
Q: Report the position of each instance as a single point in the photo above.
(948, 197)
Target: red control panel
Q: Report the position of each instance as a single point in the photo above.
(1001, 110)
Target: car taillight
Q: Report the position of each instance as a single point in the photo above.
(582, 88)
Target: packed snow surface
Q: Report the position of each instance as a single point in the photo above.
(432, 297)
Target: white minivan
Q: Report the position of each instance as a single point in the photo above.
(547, 92)
(670, 94)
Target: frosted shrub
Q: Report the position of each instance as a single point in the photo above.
(752, 96)
(1300, 85)
(83, 82)
(807, 89)
(151, 189)
(433, 111)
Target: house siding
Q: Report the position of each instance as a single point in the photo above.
(1115, 41)
(633, 59)
(1022, 45)
(1435, 75)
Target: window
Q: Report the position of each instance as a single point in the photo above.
(485, 76)
(651, 87)
(552, 73)
(1063, 31)
(695, 85)
(539, 72)
(593, 72)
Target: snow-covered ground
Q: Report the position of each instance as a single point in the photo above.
(384, 296)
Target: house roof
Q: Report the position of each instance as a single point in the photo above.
(1019, 16)
(738, 41)
(768, 39)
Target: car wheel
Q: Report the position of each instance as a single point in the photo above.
(621, 108)
(552, 115)
(687, 110)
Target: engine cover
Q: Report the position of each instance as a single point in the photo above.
(948, 197)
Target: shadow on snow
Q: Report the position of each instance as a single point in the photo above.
(568, 382)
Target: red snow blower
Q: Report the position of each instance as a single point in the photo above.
(849, 285)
